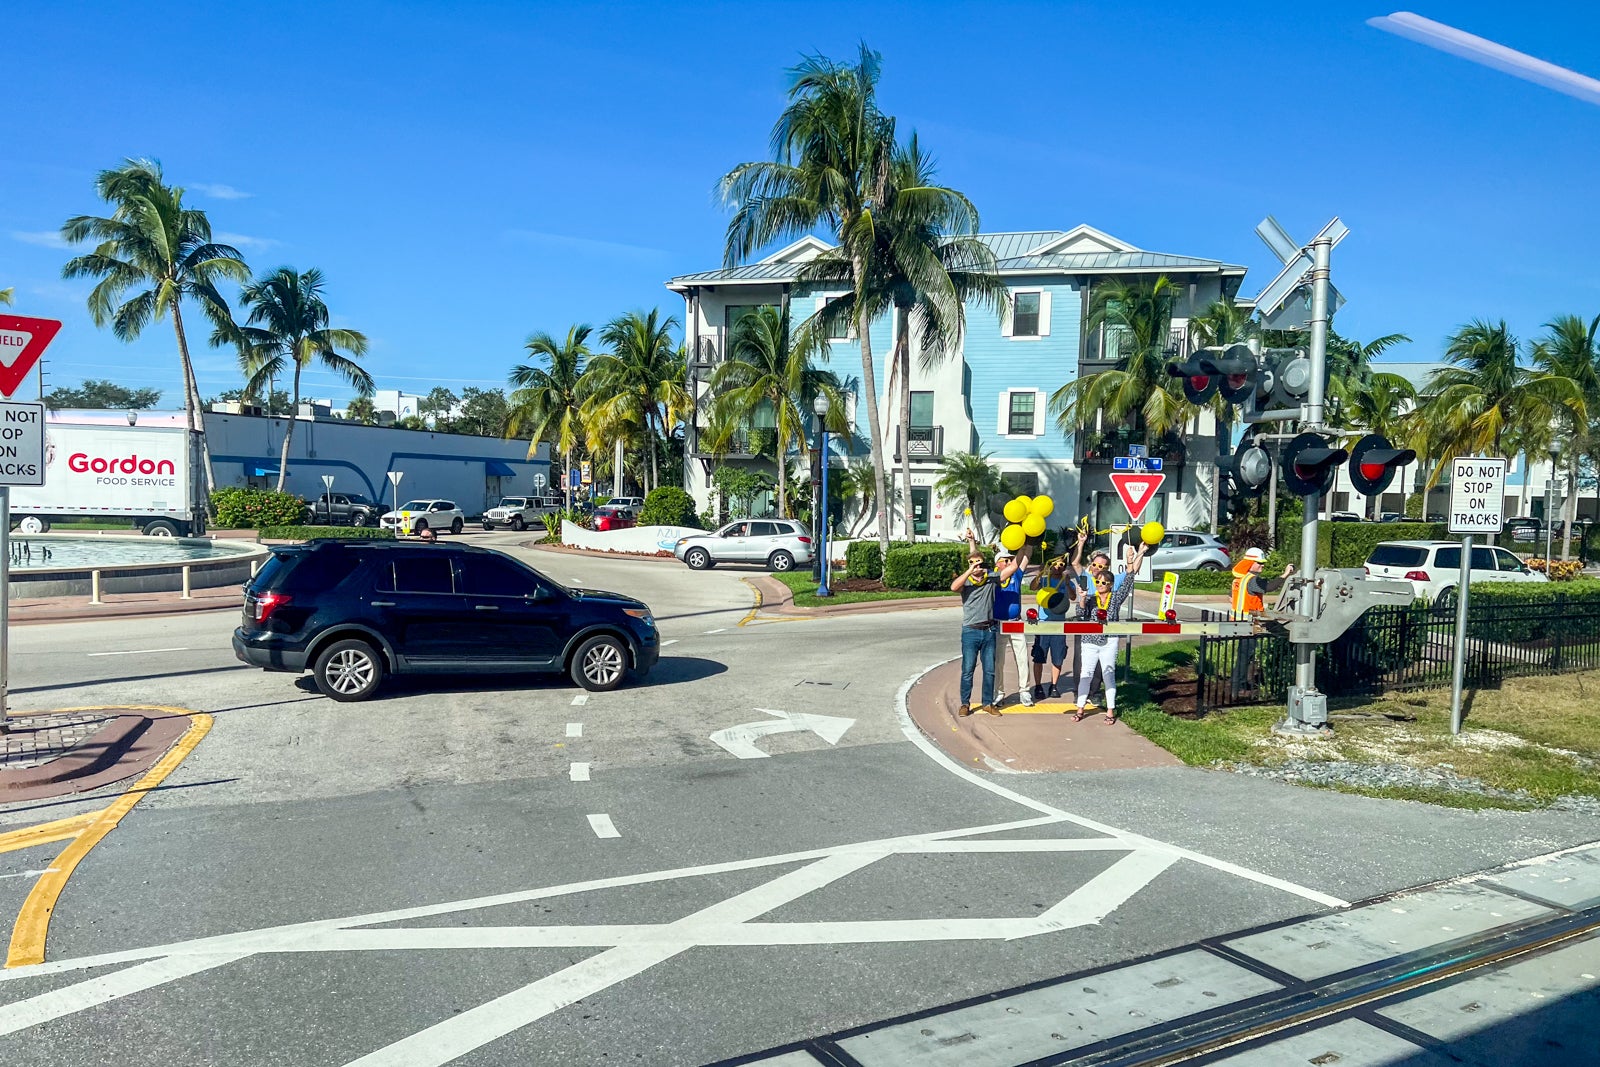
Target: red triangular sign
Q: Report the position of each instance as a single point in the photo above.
(22, 342)
(1136, 491)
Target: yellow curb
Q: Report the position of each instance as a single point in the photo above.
(756, 610)
(33, 921)
(46, 832)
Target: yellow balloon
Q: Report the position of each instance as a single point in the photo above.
(1042, 506)
(1026, 502)
(1153, 532)
(1033, 525)
(1014, 511)
(1013, 537)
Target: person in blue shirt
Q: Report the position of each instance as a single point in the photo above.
(1059, 579)
(1010, 568)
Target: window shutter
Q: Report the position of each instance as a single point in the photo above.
(1038, 395)
(1005, 318)
(1044, 313)
(1005, 413)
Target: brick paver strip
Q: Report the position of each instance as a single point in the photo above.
(127, 746)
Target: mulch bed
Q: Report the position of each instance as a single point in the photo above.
(1177, 693)
(858, 585)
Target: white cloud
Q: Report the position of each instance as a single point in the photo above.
(240, 240)
(218, 191)
(42, 238)
(586, 245)
(1489, 54)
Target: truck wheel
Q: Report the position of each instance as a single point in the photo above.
(600, 663)
(517, 524)
(349, 670)
(160, 528)
(360, 518)
(33, 524)
(487, 526)
(455, 526)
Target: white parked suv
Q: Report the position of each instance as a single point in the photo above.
(634, 504)
(414, 516)
(1434, 567)
(779, 543)
(520, 512)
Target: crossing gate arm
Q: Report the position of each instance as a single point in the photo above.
(1227, 628)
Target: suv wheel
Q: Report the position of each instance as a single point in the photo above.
(349, 670)
(1445, 602)
(600, 664)
(781, 561)
(698, 559)
(418, 526)
(455, 526)
(1211, 565)
(517, 524)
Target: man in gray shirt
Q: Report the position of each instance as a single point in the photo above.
(977, 588)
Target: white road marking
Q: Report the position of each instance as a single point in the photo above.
(574, 729)
(138, 652)
(674, 641)
(579, 772)
(719, 630)
(580, 700)
(72, 999)
(29, 874)
(603, 826)
(741, 739)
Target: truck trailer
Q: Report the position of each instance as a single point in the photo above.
(148, 476)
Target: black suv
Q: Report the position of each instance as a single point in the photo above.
(351, 611)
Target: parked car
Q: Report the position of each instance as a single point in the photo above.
(342, 509)
(1391, 516)
(614, 517)
(353, 612)
(1345, 516)
(1187, 550)
(634, 504)
(1434, 567)
(519, 512)
(414, 516)
(1524, 531)
(1435, 516)
(779, 543)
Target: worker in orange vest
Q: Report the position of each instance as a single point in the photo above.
(1249, 598)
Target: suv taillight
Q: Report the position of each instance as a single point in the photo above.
(267, 603)
(804, 540)
(1417, 576)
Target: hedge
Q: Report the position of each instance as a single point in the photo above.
(1348, 544)
(1529, 612)
(863, 560)
(238, 508)
(343, 533)
(926, 565)
(668, 505)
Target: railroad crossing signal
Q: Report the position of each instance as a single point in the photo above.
(1310, 464)
(1199, 385)
(1373, 462)
(1236, 369)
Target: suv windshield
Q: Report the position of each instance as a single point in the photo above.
(415, 505)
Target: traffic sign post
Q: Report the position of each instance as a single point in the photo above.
(1137, 490)
(394, 480)
(1477, 505)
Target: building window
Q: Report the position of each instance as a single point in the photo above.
(839, 328)
(1025, 315)
(1020, 415)
(921, 410)
(1023, 482)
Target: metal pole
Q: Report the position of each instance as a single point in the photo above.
(616, 468)
(822, 533)
(5, 606)
(1459, 674)
(1272, 506)
(1549, 516)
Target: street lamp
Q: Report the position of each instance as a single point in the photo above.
(1549, 503)
(820, 406)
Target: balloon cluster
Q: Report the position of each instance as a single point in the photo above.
(1026, 517)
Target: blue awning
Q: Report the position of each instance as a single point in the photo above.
(264, 469)
(495, 468)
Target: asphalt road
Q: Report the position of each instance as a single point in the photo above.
(432, 878)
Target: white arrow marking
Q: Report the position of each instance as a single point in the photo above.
(741, 739)
(29, 874)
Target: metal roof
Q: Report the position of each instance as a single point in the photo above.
(1113, 262)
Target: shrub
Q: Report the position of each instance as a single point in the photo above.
(1527, 612)
(1557, 570)
(1201, 583)
(1348, 544)
(668, 505)
(924, 566)
(344, 533)
(862, 559)
(238, 508)
(552, 523)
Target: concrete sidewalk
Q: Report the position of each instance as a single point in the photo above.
(37, 610)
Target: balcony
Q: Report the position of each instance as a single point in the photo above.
(1096, 448)
(925, 443)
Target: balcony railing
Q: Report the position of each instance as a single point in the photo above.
(1096, 448)
(925, 443)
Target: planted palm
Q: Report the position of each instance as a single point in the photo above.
(547, 401)
(639, 387)
(1571, 350)
(1139, 315)
(152, 253)
(972, 479)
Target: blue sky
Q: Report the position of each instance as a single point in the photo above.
(467, 173)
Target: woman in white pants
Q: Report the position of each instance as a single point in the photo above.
(1099, 651)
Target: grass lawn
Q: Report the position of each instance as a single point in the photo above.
(77, 527)
(1536, 737)
(804, 588)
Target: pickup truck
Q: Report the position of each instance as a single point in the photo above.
(342, 509)
(520, 512)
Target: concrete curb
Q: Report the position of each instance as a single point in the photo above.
(567, 550)
(778, 599)
(50, 609)
(127, 746)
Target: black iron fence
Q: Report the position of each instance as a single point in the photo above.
(1398, 648)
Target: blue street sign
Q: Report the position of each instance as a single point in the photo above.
(1152, 464)
(1122, 463)
(573, 477)
(1137, 451)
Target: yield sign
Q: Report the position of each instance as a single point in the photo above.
(1137, 490)
(22, 342)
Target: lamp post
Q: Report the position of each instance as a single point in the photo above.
(1549, 503)
(820, 406)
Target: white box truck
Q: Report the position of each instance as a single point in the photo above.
(148, 476)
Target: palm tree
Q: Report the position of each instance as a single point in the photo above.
(286, 331)
(640, 384)
(1138, 389)
(1486, 400)
(764, 373)
(1571, 350)
(832, 150)
(361, 409)
(972, 479)
(547, 403)
(1383, 405)
(5, 296)
(154, 247)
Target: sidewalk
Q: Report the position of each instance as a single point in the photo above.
(59, 753)
(123, 605)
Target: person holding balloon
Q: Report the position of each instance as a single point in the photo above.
(1055, 591)
(1025, 516)
(1102, 602)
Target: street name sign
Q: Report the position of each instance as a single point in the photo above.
(22, 342)
(21, 444)
(1477, 495)
(1136, 491)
